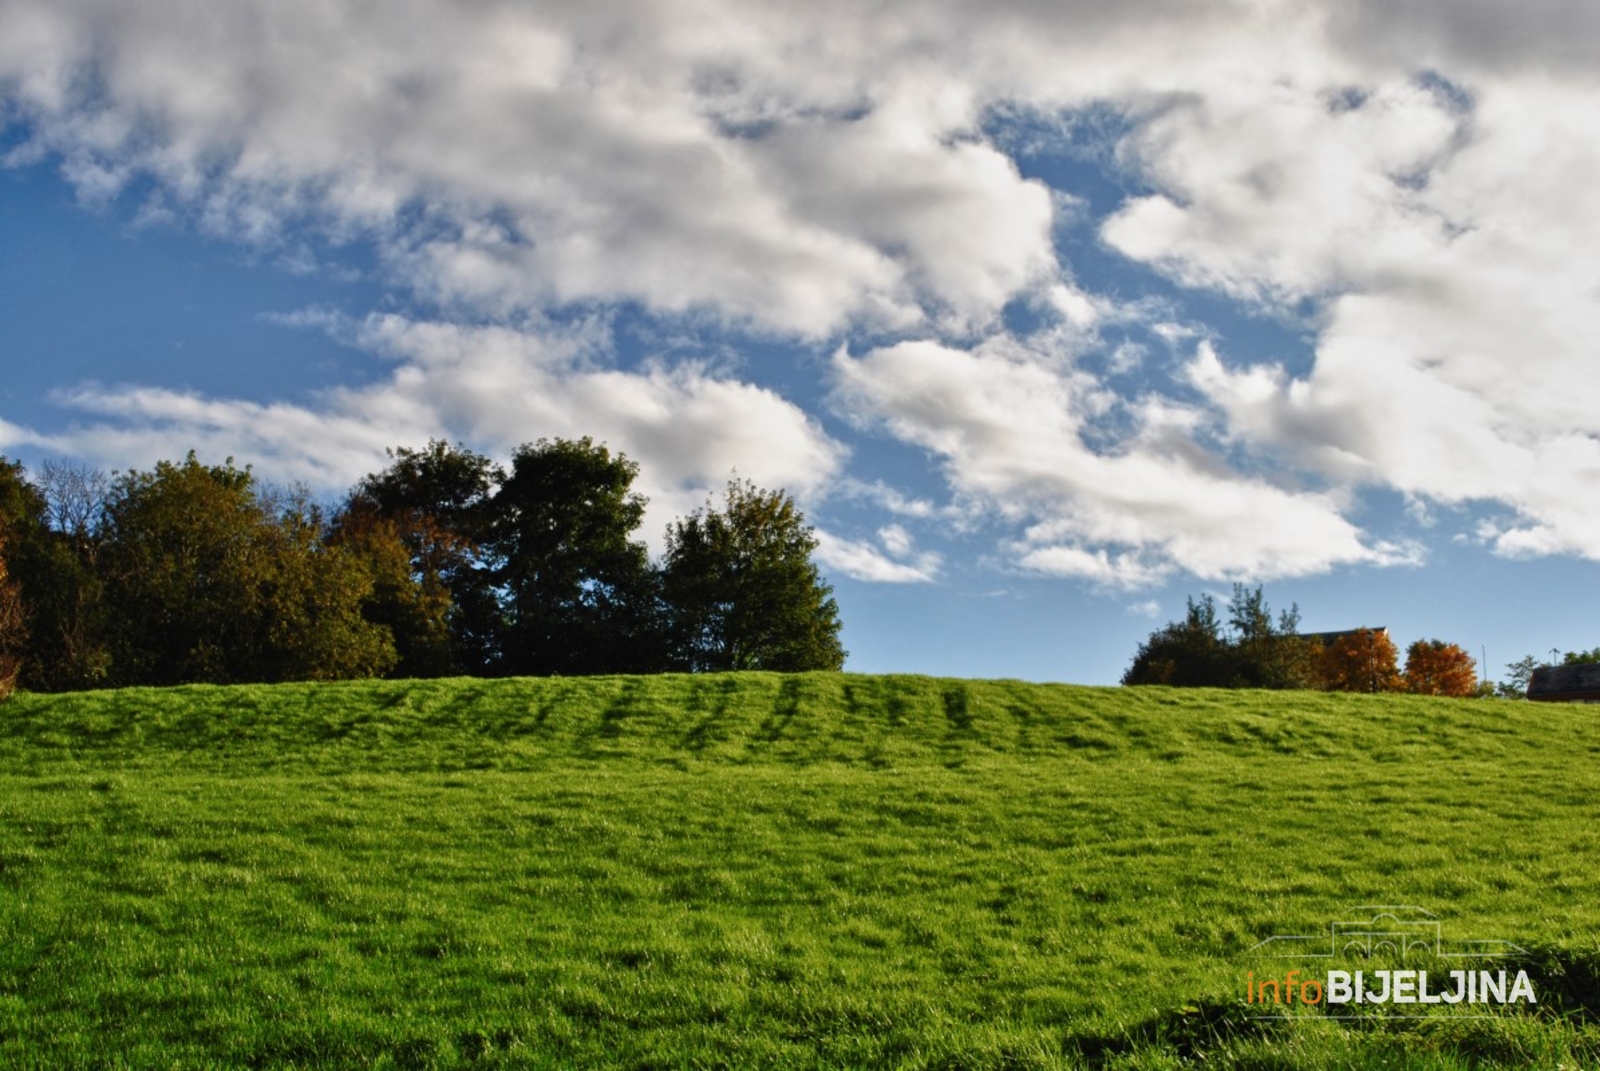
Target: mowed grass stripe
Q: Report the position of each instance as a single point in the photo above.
(819, 870)
(764, 717)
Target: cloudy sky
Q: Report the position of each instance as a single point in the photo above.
(1050, 313)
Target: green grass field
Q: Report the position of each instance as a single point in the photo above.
(770, 871)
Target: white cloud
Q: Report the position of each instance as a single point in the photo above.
(138, 426)
(1277, 193)
(496, 386)
(1080, 309)
(1410, 181)
(1149, 608)
(1173, 334)
(890, 499)
(896, 540)
(1552, 37)
(1012, 432)
(894, 561)
(1453, 367)
(1123, 570)
(507, 157)
(692, 428)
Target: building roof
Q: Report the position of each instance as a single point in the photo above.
(1328, 639)
(1557, 684)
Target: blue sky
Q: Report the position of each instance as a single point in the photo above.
(1050, 315)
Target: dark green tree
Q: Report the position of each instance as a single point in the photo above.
(438, 502)
(579, 591)
(742, 591)
(21, 503)
(1518, 674)
(1191, 653)
(1249, 616)
(1268, 654)
(315, 593)
(183, 574)
(1253, 652)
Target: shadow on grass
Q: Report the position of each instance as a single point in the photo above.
(1191, 1032)
(624, 706)
(1566, 981)
(784, 708)
(958, 709)
(711, 727)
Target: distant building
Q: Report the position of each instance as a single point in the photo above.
(1565, 684)
(1328, 639)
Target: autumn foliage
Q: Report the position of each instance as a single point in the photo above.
(1434, 667)
(13, 627)
(1362, 661)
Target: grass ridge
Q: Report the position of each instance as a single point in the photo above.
(787, 718)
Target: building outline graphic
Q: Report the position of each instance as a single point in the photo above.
(1398, 930)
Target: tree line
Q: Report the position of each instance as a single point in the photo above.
(1252, 649)
(442, 563)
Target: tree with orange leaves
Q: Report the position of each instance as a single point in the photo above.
(1434, 667)
(1362, 661)
(13, 627)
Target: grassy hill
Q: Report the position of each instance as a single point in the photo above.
(758, 870)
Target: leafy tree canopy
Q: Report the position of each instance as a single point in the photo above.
(206, 581)
(13, 625)
(1434, 667)
(1191, 653)
(438, 503)
(579, 589)
(54, 570)
(442, 562)
(743, 590)
(1254, 652)
(1363, 661)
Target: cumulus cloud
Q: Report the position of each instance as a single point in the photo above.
(1449, 365)
(690, 426)
(1480, 36)
(1013, 430)
(895, 560)
(495, 386)
(133, 427)
(509, 157)
(1410, 183)
(1275, 195)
